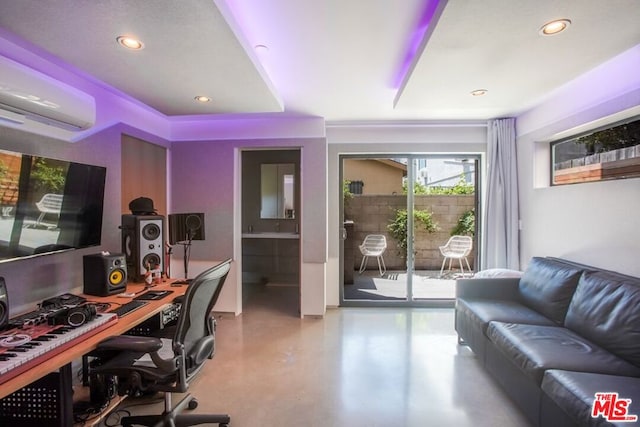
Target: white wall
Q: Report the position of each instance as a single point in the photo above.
(205, 177)
(468, 138)
(594, 223)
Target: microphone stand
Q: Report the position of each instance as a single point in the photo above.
(167, 259)
(187, 253)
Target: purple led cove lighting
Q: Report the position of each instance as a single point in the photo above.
(415, 41)
(112, 105)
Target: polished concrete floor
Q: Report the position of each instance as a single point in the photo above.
(355, 367)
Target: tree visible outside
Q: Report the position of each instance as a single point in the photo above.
(422, 220)
(466, 225)
(49, 178)
(623, 136)
(461, 187)
(612, 153)
(614, 138)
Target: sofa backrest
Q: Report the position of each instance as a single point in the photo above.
(547, 286)
(606, 310)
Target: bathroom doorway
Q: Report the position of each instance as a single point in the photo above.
(271, 230)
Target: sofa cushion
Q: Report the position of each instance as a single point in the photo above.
(497, 272)
(536, 348)
(483, 311)
(496, 288)
(606, 310)
(574, 392)
(547, 286)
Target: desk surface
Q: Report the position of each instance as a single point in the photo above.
(84, 346)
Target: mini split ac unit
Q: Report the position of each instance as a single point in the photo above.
(28, 96)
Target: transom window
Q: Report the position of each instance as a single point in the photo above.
(606, 153)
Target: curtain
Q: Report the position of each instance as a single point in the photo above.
(500, 245)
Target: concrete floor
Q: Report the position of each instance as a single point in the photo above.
(356, 367)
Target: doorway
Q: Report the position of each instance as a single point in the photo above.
(270, 200)
(416, 202)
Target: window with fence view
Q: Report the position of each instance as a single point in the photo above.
(609, 153)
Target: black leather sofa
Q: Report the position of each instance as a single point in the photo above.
(555, 337)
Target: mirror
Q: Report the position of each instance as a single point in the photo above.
(277, 190)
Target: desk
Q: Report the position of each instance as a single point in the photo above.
(84, 346)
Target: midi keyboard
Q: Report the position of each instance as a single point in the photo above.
(23, 348)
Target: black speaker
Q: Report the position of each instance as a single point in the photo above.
(4, 304)
(184, 227)
(143, 243)
(104, 274)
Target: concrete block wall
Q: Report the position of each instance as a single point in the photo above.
(372, 214)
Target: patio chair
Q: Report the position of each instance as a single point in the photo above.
(457, 247)
(49, 204)
(373, 245)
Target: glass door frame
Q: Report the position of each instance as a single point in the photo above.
(409, 301)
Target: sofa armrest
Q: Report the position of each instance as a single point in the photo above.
(502, 288)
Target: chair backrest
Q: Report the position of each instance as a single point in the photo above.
(50, 203)
(460, 244)
(194, 328)
(374, 242)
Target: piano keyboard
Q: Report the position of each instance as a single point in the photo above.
(18, 359)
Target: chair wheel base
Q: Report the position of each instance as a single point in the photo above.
(193, 404)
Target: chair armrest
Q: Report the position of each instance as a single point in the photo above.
(502, 288)
(131, 343)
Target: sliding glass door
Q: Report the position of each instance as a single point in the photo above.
(373, 207)
(444, 202)
(414, 204)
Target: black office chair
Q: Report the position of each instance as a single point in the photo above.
(150, 364)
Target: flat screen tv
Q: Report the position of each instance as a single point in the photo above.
(48, 205)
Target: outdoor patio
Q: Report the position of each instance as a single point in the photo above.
(427, 284)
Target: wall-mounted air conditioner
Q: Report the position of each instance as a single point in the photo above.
(28, 96)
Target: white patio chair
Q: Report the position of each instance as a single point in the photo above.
(457, 247)
(49, 204)
(373, 245)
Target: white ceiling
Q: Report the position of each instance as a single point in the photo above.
(337, 59)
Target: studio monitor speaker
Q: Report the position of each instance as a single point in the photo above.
(104, 274)
(143, 243)
(185, 227)
(4, 304)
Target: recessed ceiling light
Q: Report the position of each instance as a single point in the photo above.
(130, 42)
(554, 27)
(261, 48)
(202, 98)
(479, 92)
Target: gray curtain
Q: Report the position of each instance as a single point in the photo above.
(500, 243)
